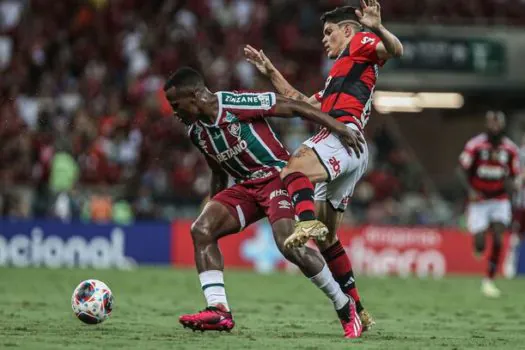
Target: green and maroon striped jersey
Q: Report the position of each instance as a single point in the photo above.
(241, 141)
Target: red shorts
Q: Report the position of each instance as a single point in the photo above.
(251, 202)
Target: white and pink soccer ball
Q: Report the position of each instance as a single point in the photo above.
(92, 301)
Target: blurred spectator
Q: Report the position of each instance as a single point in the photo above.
(100, 206)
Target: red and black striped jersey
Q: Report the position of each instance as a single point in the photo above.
(488, 166)
(351, 82)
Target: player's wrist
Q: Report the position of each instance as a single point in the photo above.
(377, 29)
(340, 128)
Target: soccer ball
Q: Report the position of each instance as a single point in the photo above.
(92, 301)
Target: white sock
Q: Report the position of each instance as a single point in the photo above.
(212, 283)
(326, 282)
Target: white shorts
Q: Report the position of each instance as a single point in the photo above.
(344, 170)
(481, 214)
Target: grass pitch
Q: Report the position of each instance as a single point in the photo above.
(278, 311)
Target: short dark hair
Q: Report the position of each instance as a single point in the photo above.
(184, 78)
(339, 14)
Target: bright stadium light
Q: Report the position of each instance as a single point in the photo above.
(392, 101)
(449, 100)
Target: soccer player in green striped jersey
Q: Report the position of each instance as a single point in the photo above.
(232, 133)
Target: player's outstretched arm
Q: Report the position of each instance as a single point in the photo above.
(266, 67)
(286, 107)
(370, 17)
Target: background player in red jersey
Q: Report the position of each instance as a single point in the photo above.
(231, 132)
(489, 163)
(347, 96)
(519, 199)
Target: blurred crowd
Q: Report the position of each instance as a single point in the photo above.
(85, 130)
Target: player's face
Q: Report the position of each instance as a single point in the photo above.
(495, 123)
(335, 38)
(184, 106)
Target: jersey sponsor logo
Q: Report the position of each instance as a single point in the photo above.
(492, 172)
(232, 152)
(336, 165)
(278, 193)
(253, 100)
(260, 174)
(501, 156)
(265, 100)
(284, 204)
(367, 40)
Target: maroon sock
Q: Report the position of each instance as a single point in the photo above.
(341, 268)
(301, 191)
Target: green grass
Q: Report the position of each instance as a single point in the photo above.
(272, 312)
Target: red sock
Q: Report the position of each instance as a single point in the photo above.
(341, 268)
(301, 191)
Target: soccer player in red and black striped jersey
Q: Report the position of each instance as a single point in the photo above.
(489, 164)
(322, 160)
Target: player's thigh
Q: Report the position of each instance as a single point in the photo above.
(332, 218)
(500, 214)
(478, 220)
(335, 158)
(228, 212)
(306, 161)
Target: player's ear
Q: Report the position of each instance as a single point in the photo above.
(348, 30)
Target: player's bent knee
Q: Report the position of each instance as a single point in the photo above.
(200, 232)
(293, 255)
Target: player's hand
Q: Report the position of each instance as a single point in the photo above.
(259, 60)
(352, 140)
(370, 14)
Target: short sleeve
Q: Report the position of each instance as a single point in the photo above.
(248, 106)
(515, 166)
(466, 158)
(363, 48)
(319, 96)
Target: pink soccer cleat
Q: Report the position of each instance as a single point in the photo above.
(350, 320)
(213, 318)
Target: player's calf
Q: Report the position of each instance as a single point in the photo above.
(479, 244)
(304, 169)
(312, 265)
(341, 268)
